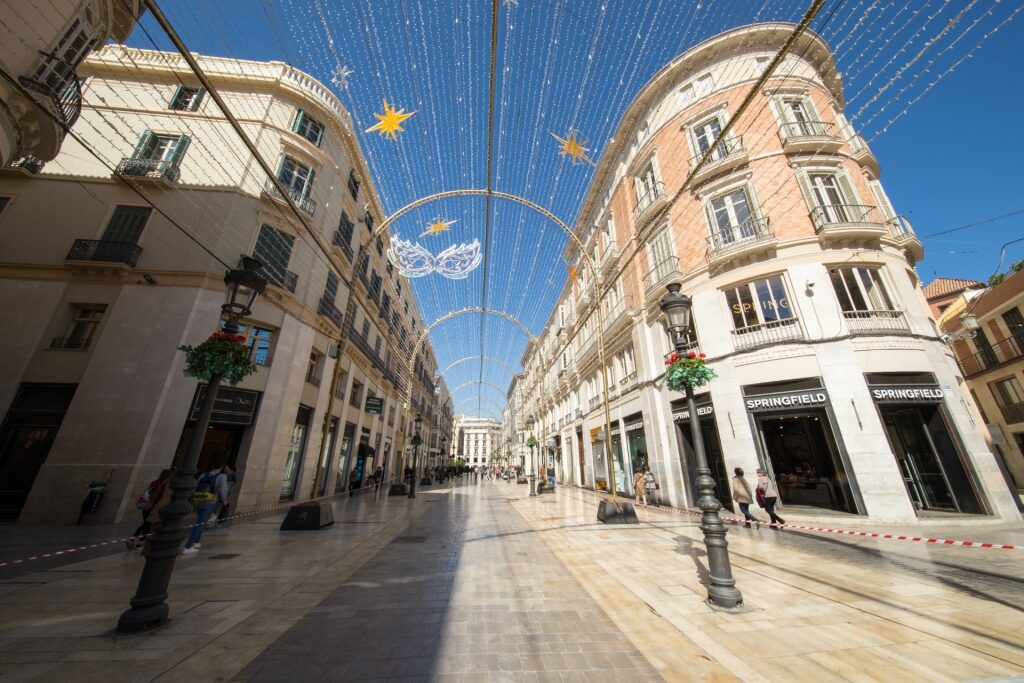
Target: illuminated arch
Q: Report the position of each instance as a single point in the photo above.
(486, 359)
(480, 383)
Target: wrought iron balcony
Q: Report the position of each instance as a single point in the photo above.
(876, 322)
(809, 136)
(301, 200)
(767, 334)
(104, 251)
(647, 202)
(903, 234)
(345, 246)
(848, 220)
(28, 164)
(279, 277)
(156, 169)
(331, 312)
(72, 343)
(753, 235)
(1001, 352)
(1013, 413)
(727, 156)
(661, 273)
(58, 83)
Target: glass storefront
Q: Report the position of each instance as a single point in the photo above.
(325, 458)
(798, 444)
(296, 453)
(341, 474)
(911, 407)
(623, 478)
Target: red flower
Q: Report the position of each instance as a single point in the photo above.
(691, 354)
(703, 355)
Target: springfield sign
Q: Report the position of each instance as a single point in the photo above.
(908, 394)
(799, 399)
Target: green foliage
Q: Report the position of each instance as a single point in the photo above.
(687, 371)
(221, 354)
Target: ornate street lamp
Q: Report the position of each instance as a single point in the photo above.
(531, 442)
(722, 592)
(416, 441)
(149, 606)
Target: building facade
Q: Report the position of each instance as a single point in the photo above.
(831, 373)
(479, 440)
(40, 89)
(990, 352)
(108, 266)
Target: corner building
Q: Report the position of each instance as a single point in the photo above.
(98, 288)
(831, 373)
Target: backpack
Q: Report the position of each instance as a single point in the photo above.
(205, 487)
(145, 501)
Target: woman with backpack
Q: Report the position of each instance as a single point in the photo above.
(148, 504)
(211, 488)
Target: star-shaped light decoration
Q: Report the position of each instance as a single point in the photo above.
(511, 3)
(390, 122)
(339, 79)
(573, 148)
(438, 226)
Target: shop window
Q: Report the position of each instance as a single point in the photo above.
(308, 127)
(85, 321)
(860, 289)
(259, 340)
(760, 302)
(186, 98)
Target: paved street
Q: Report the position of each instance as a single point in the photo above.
(478, 582)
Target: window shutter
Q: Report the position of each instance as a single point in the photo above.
(296, 120)
(198, 99)
(174, 97)
(883, 202)
(179, 149)
(309, 183)
(847, 188)
(147, 143)
(805, 186)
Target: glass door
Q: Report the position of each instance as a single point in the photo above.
(928, 487)
(296, 453)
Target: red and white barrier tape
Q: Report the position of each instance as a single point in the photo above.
(827, 530)
(126, 539)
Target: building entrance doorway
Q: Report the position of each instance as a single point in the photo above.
(805, 461)
(583, 463)
(930, 463)
(220, 446)
(716, 461)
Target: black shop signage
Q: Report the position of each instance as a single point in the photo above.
(681, 413)
(233, 406)
(914, 393)
(815, 398)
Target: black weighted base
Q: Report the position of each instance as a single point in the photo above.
(426, 481)
(308, 517)
(397, 490)
(619, 512)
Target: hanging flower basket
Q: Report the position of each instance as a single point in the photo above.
(531, 442)
(687, 371)
(222, 354)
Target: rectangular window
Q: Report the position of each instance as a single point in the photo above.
(331, 288)
(731, 217)
(259, 341)
(380, 247)
(366, 330)
(660, 252)
(759, 302)
(860, 289)
(295, 176)
(833, 198)
(85, 320)
(345, 230)
(353, 184)
(355, 399)
(126, 224)
(686, 95)
(339, 391)
(376, 346)
(160, 147)
(760, 64)
(58, 72)
(308, 127)
(705, 134)
(1015, 324)
(187, 98)
(648, 188)
(314, 368)
(704, 85)
(274, 250)
(1007, 392)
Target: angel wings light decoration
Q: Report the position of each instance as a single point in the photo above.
(413, 260)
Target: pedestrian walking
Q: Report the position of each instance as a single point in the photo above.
(378, 476)
(211, 488)
(767, 496)
(742, 495)
(551, 475)
(651, 484)
(224, 510)
(352, 482)
(640, 487)
(153, 494)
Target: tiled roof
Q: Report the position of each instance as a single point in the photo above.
(942, 286)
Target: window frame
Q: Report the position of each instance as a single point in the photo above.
(196, 100)
(865, 296)
(757, 305)
(302, 120)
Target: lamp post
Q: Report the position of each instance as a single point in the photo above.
(149, 607)
(532, 443)
(416, 441)
(722, 592)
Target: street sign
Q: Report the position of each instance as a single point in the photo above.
(374, 405)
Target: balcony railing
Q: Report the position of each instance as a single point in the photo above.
(104, 251)
(578, 415)
(363, 345)
(750, 231)
(149, 168)
(59, 83)
(766, 334)
(331, 312)
(343, 244)
(29, 164)
(730, 147)
(594, 402)
(807, 129)
(832, 215)
(1001, 352)
(301, 200)
(876, 322)
(900, 228)
(648, 199)
(661, 272)
(279, 277)
(1013, 413)
(72, 343)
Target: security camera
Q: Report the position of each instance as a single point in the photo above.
(810, 285)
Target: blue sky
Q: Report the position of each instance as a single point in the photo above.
(951, 159)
